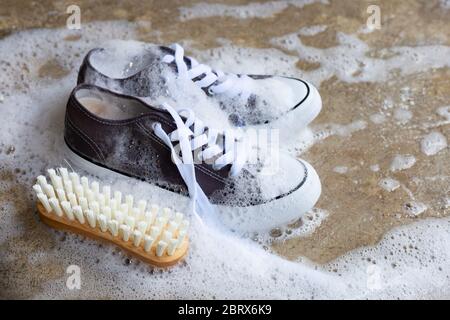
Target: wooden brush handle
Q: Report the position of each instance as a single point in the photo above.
(62, 223)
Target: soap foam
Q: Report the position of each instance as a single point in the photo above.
(410, 262)
(432, 143)
(351, 62)
(389, 184)
(402, 162)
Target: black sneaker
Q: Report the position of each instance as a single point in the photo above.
(107, 131)
(158, 72)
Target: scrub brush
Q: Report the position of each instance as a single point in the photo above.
(72, 203)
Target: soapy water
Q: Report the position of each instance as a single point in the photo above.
(411, 261)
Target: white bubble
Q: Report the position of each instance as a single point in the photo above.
(432, 143)
(389, 184)
(402, 162)
(340, 169)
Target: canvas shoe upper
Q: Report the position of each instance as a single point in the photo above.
(176, 151)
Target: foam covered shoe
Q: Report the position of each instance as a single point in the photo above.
(163, 73)
(175, 151)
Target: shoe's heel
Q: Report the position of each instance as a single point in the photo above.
(78, 163)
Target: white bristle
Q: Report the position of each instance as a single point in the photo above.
(129, 202)
(124, 208)
(154, 232)
(142, 204)
(107, 194)
(178, 217)
(42, 181)
(91, 218)
(113, 204)
(149, 217)
(89, 195)
(44, 200)
(107, 212)
(130, 221)
(154, 209)
(54, 203)
(102, 222)
(95, 188)
(172, 247)
(167, 236)
(119, 217)
(49, 191)
(101, 200)
(142, 226)
(68, 186)
(79, 191)
(67, 209)
(137, 214)
(182, 230)
(114, 227)
(166, 212)
(173, 226)
(181, 236)
(165, 220)
(94, 207)
(148, 243)
(85, 184)
(61, 194)
(75, 179)
(78, 212)
(84, 204)
(160, 222)
(137, 237)
(52, 174)
(125, 232)
(118, 197)
(64, 173)
(37, 188)
(72, 199)
(57, 182)
(160, 248)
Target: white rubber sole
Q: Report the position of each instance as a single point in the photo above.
(277, 212)
(244, 219)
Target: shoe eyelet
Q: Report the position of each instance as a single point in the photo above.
(210, 91)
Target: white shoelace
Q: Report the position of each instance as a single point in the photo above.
(215, 80)
(231, 153)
